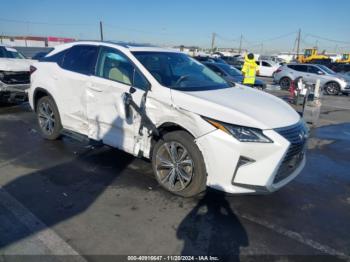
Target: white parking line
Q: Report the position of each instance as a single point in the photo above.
(48, 237)
(297, 237)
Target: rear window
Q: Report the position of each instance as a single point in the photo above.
(81, 59)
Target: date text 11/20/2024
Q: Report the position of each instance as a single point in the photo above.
(173, 258)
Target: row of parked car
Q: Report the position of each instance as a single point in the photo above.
(267, 67)
(283, 74)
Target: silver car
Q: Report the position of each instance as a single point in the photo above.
(331, 82)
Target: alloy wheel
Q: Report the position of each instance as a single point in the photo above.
(332, 88)
(46, 118)
(174, 166)
(285, 83)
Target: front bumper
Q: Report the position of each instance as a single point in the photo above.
(13, 93)
(222, 154)
(346, 89)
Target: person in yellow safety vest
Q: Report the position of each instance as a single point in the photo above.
(249, 70)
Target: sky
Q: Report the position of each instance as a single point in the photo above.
(266, 25)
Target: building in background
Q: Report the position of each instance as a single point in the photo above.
(34, 41)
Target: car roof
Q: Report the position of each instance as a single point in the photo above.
(215, 63)
(302, 64)
(120, 45)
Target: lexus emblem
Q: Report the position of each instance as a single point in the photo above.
(302, 136)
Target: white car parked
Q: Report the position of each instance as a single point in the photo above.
(163, 105)
(267, 68)
(14, 75)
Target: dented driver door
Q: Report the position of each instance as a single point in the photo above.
(109, 119)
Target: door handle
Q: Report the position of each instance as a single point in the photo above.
(94, 88)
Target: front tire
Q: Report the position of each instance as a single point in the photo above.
(48, 118)
(332, 89)
(178, 164)
(285, 83)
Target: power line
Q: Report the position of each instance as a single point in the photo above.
(327, 39)
(227, 39)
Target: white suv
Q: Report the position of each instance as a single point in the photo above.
(14, 75)
(163, 105)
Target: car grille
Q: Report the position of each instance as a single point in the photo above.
(297, 136)
(16, 78)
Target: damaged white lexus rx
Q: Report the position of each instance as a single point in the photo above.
(197, 129)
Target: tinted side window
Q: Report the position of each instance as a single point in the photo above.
(266, 64)
(2, 52)
(81, 59)
(140, 81)
(56, 58)
(115, 66)
(300, 68)
(313, 70)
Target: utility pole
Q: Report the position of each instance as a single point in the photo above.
(240, 44)
(213, 42)
(298, 43)
(101, 30)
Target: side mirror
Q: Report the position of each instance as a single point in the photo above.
(132, 90)
(320, 73)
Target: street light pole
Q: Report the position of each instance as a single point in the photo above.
(298, 44)
(240, 45)
(213, 42)
(101, 30)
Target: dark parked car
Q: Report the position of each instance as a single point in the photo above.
(236, 61)
(209, 59)
(232, 74)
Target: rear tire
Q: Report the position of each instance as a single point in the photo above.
(178, 164)
(332, 88)
(48, 118)
(285, 83)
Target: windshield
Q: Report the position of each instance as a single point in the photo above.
(327, 70)
(13, 53)
(231, 70)
(179, 71)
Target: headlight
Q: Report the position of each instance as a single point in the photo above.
(241, 133)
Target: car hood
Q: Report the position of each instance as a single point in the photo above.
(12, 64)
(238, 105)
(345, 76)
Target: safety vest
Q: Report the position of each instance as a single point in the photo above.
(249, 69)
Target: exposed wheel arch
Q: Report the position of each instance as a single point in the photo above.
(164, 128)
(39, 93)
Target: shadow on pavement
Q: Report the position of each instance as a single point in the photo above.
(212, 228)
(64, 191)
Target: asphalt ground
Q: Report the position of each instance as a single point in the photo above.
(66, 200)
